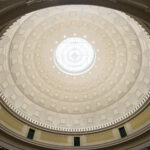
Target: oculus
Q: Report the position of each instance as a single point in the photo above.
(74, 56)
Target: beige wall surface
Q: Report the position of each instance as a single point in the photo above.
(11, 123)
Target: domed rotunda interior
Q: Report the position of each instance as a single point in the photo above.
(74, 75)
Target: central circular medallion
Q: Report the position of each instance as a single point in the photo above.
(74, 56)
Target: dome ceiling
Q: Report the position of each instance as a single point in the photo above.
(75, 68)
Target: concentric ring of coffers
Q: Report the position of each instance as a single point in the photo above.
(115, 88)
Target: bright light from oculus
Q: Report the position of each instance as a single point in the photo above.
(74, 56)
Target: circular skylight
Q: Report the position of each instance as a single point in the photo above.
(74, 56)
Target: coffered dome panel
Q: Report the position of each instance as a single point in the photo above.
(75, 68)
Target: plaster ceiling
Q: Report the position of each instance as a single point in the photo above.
(114, 88)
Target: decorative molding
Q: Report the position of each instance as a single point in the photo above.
(89, 147)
